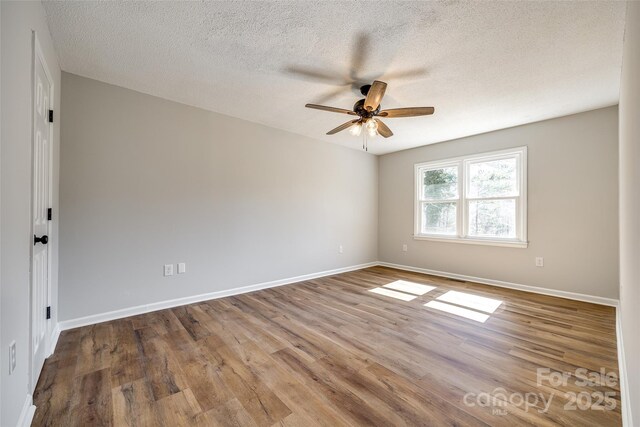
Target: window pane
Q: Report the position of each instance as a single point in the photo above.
(492, 218)
(439, 218)
(496, 178)
(440, 184)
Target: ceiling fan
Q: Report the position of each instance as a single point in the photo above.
(368, 110)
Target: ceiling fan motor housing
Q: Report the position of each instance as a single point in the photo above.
(359, 109)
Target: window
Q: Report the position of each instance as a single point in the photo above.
(478, 199)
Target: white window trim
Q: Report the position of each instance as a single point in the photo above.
(462, 201)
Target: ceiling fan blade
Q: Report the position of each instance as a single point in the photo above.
(332, 109)
(411, 73)
(343, 127)
(314, 74)
(331, 95)
(361, 49)
(383, 129)
(376, 92)
(407, 112)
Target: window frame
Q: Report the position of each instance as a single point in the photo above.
(463, 164)
(458, 201)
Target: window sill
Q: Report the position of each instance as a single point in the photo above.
(486, 242)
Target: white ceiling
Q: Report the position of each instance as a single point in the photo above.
(482, 65)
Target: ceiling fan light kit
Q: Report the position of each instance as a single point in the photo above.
(367, 110)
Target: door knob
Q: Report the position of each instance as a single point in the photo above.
(44, 239)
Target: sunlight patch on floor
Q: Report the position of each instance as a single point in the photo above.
(459, 311)
(409, 287)
(475, 302)
(393, 294)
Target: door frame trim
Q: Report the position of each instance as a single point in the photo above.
(38, 55)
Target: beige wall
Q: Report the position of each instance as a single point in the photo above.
(630, 205)
(572, 207)
(19, 19)
(147, 182)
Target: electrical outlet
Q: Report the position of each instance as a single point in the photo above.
(404, 248)
(168, 269)
(12, 357)
(539, 261)
(340, 249)
(182, 267)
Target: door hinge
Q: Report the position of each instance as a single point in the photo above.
(49, 312)
(49, 214)
(50, 116)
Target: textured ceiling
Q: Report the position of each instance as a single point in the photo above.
(483, 65)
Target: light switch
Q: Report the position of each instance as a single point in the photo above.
(182, 267)
(168, 269)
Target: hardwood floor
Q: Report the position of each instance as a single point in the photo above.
(329, 352)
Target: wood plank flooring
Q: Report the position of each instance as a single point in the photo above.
(328, 352)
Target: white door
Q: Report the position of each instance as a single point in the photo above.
(42, 94)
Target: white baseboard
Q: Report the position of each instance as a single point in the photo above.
(53, 340)
(534, 289)
(627, 418)
(26, 415)
(140, 309)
